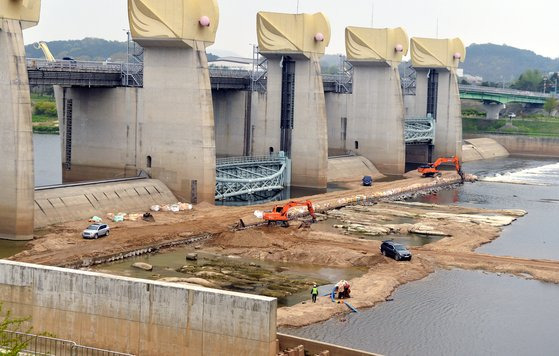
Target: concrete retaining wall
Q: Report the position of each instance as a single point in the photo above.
(525, 145)
(230, 112)
(59, 205)
(482, 148)
(138, 316)
(351, 168)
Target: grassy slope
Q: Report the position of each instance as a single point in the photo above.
(529, 127)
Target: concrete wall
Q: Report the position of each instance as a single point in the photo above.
(60, 205)
(104, 132)
(230, 112)
(351, 168)
(176, 122)
(337, 110)
(376, 119)
(266, 112)
(314, 347)
(310, 133)
(482, 148)
(138, 316)
(448, 130)
(525, 145)
(16, 137)
(309, 149)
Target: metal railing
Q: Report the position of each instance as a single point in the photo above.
(78, 66)
(502, 91)
(419, 130)
(37, 345)
(241, 176)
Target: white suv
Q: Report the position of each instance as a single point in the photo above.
(96, 230)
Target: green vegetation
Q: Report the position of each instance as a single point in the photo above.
(10, 345)
(472, 113)
(524, 126)
(88, 49)
(531, 80)
(550, 105)
(45, 119)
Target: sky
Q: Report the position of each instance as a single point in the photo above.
(524, 24)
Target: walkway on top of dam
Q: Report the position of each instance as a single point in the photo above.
(120, 74)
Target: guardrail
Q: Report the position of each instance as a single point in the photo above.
(83, 66)
(482, 89)
(36, 345)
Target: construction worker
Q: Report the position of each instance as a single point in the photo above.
(314, 293)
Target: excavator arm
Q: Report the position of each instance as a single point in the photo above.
(280, 213)
(431, 169)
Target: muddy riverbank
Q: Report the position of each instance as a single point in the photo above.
(62, 245)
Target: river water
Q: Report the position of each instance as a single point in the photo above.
(453, 313)
(48, 159)
(473, 313)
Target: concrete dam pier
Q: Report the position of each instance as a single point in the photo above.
(16, 136)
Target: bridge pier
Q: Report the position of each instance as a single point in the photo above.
(493, 109)
(16, 136)
(98, 130)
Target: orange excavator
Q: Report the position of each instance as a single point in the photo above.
(432, 169)
(279, 213)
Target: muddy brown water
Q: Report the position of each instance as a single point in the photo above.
(167, 263)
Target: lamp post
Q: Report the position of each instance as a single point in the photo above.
(127, 55)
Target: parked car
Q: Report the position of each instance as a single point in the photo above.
(96, 230)
(395, 250)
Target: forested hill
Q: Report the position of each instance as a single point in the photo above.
(492, 62)
(501, 62)
(88, 49)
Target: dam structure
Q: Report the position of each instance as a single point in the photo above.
(172, 117)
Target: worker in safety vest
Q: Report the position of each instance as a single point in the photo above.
(314, 293)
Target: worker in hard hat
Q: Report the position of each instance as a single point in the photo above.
(314, 293)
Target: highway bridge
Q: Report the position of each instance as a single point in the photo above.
(502, 96)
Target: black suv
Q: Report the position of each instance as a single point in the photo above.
(395, 250)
